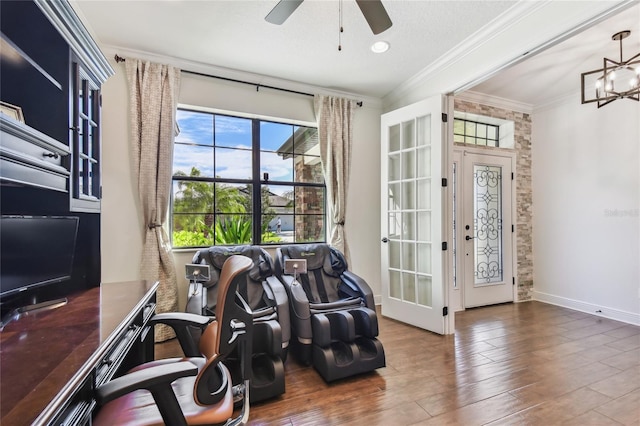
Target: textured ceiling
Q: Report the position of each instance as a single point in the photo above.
(234, 35)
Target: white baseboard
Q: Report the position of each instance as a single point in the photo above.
(589, 308)
(377, 299)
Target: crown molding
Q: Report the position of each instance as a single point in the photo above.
(500, 24)
(68, 23)
(495, 101)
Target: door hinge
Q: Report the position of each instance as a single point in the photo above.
(444, 182)
(513, 228)
(445, 311)
(511, 175)
(445, 118)
(444, 245)
(513, 280)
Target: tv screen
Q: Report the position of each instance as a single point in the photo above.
(35, 251)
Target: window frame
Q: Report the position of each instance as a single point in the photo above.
(475, 137)
(256, 181)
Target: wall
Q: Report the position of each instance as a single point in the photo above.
(121, 227)
(586, 187)
(524, 199)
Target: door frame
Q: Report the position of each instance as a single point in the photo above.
(456, 294)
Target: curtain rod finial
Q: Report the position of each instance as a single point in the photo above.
(119, 58)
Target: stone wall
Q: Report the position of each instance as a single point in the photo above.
(524, 197)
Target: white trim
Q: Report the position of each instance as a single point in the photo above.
(69, 25)
(495, 101)
(589, 308)
(509, 18)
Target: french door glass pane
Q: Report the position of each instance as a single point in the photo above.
(395, 226)
(424, 258)
(395, 284)
(394, 167)
(408, 256)
(394, 196)
(408, 287)
(408, 135)
(424, 226)
(424, 162)
(423, 284)
(394, 255)
(423, 133)
(424, 193)
(409, 226)
(408, 195)
(408, 164)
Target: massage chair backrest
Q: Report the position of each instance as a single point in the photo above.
(253, 291)
(325, 266)
(216, 341)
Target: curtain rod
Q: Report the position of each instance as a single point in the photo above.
(119, 59)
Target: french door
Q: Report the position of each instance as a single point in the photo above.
(413, 285)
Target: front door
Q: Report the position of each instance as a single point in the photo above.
(413, 286)
(484, 228)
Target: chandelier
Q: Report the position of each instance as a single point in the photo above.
(616, 80)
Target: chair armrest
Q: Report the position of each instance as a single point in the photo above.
(299, 310)
(157, 380)
(180, 323)
(359, 285)
(148, 378)
(282, 303)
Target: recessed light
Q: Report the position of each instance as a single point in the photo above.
(380, 46)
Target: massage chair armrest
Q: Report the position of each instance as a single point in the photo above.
(360, 287)
(196, 299)
(156, 380)
(282, 306)
(181, 322)
(299, 310)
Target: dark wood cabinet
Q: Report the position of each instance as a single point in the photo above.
(50, 156)
(52, 70)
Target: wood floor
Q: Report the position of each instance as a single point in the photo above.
(516, 364)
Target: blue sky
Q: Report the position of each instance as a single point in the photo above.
(197, 130)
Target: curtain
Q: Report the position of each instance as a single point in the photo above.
(153, 101)
(335, 130)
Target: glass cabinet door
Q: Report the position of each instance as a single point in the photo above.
(85, 141)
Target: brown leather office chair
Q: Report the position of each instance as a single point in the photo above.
(191, 391)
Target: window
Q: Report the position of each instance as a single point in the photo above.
(240, 180)
(475, 133)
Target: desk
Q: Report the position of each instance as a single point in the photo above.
(50, 361)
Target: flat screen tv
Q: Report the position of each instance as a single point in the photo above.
(35, 251)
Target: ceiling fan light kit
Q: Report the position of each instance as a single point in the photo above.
(615, 80)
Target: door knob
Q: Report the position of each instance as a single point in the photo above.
(468, 238)
(385, 240)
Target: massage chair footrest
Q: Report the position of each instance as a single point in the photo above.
(343, 359)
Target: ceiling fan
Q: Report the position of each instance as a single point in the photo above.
(373, 11)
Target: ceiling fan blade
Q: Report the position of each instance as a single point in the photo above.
(282, 11)
(375, 14)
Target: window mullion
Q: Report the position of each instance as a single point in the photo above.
(256, 188)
